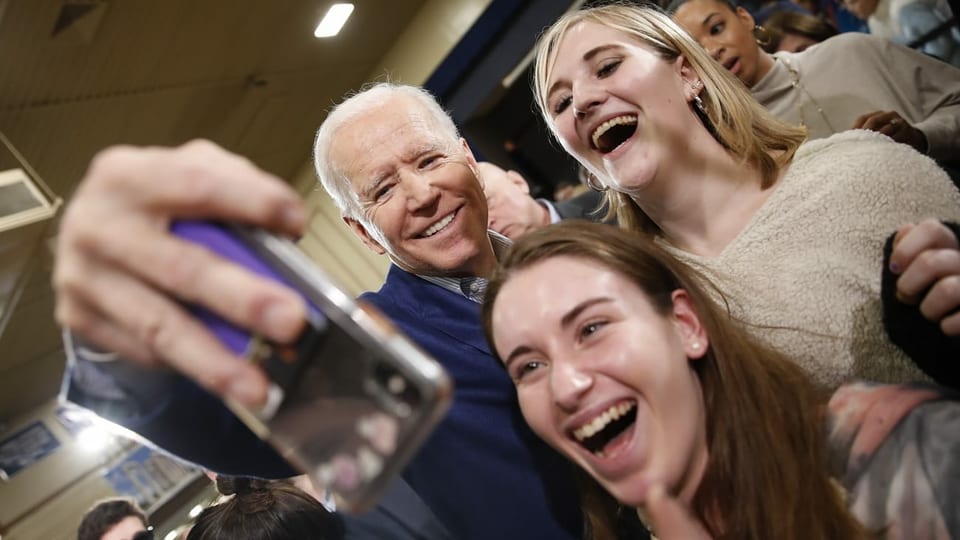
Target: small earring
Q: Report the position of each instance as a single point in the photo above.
(695, 345)
(594, 183)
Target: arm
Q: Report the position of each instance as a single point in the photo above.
(933, 89)
(936, 90)
(920, 291)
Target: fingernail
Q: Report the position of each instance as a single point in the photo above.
(294, 217)
(281, 319)
(894, 267)
(246, 391)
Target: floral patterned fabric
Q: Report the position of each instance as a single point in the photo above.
(896, 449)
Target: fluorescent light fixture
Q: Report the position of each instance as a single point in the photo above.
(333, 21)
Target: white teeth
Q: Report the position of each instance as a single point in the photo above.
(594, 426)
(617, 121)
(438, 226)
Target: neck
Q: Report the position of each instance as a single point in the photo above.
(705, 199)
(764, 65)
(543, 213)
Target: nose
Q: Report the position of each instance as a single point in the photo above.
(586, 97)
(714, 49)
(568, 384)
(420, 192)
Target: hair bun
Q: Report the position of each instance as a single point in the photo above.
(253, 494)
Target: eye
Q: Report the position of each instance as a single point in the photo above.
(561, 105)
(717, 29)
(523, 368)
(428, 161)
(590, 328)
(608, 68)
(383, 191)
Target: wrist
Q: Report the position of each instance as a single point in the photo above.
(919, 141)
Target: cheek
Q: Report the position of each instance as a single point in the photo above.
(535, 406)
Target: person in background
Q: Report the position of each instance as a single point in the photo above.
(642, 378)
(114, 519)
(512, 212)
(265, 510)
(850, 81)
(904, 21)
(794, 32)
(786, 229)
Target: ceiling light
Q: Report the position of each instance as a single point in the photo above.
(334, 20)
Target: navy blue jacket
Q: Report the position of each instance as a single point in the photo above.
(483, 472)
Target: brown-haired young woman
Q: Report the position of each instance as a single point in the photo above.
(648, 385)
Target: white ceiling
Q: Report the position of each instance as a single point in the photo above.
(247, 74)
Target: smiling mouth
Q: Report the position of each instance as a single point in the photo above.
(730, 63)
(439, 226)
(611, 134)
(595, 435)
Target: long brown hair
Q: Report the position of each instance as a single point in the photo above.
(767, 470)
(747, 130)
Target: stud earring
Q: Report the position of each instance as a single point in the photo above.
(695, 345)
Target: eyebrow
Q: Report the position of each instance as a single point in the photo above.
(706, 21)
(565, 322)
(587, 56)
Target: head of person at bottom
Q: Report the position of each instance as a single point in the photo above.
(639, 378)
(511, 211)
(645, 110)
(405, 181)
(265, 510)
(114, 519)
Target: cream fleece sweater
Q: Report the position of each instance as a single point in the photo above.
(805, 272)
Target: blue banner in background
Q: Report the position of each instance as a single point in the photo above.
(149, 477)
(25, 447)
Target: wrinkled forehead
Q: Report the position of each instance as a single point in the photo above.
(387, 135)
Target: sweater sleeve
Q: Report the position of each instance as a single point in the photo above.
(937, 354)
(935, 87)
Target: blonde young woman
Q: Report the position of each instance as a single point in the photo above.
(793, 234)
(642, 380)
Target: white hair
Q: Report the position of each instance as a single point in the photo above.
(333, 180)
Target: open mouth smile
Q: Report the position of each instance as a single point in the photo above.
(598, 433)
(609, 135)
(439, 225)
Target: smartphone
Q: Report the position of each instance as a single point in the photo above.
(352, 398)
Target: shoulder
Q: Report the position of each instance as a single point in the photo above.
(867, 165)
(856, 144)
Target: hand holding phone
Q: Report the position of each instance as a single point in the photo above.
(351, 399)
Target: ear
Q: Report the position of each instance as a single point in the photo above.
(693, 336)
(471, 160)
(746, 19)
(518, 180)
(364, 235)
(692, 85)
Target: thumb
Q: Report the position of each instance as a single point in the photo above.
(671, 520)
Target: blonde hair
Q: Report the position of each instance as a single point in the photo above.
(746, 129)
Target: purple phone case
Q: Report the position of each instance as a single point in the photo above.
(218, 239)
